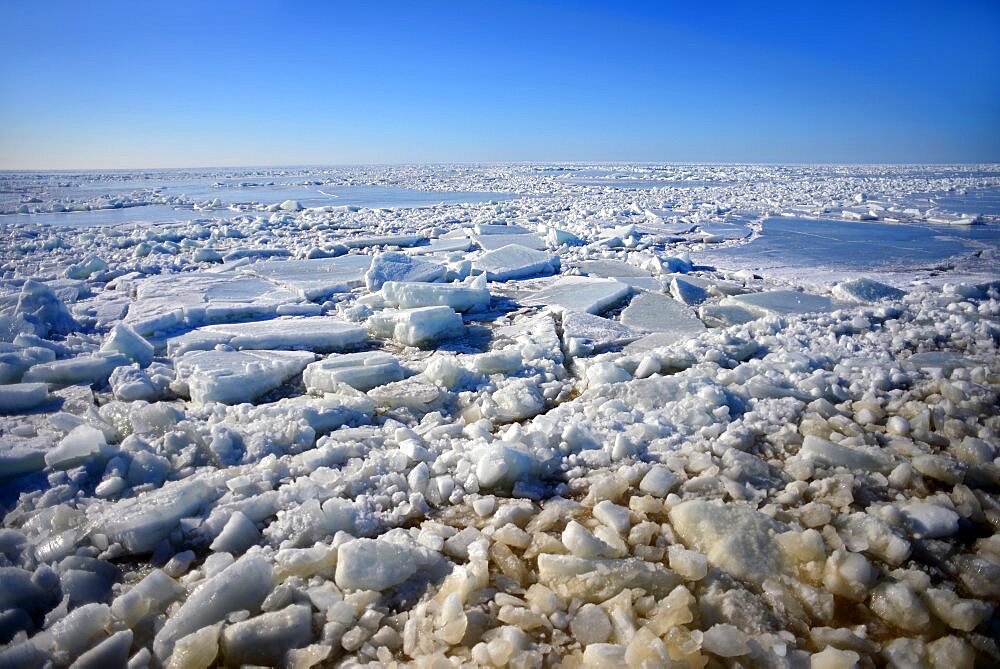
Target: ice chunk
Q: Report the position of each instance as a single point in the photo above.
(931, 521)
(501, 465)
(866, 290)
(514, 262)
(310, 333)
(781, 302)
(318, 278)
(735, 538)
(362, 371)
(86, 268)
(458, 296)
(414, 327)
(492, 242)
(37, 310)
(140, 523)
(16, 359)
(264, 639)
(22, 397)
(598, 579)
(91, 369)
(611, 269)
(830, 454)
(394, 266)
(585, 334)
(232, 377)
(255, 253)
(383, 240)
(668, 320)
(127, 341)
(371, 564)
(725, 315)
(242, 585)
(131, 383)
(581, 294)
(82, 442)
(237, 535)
(494, 229)
(687, 292)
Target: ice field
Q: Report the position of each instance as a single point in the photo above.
(518, 415)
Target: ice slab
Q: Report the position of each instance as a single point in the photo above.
(396, 266)
(598, 579)
(829, 454)
(581, 294)
(383, 240)
(414, 327)
(515, 262)
(232, 377)
(947, 361)
(315, 279)
(21, 397)
(442, 246)
(611, 269)
(458, 296)
(496, 229)
(492, 242)
(781, 302)
(255, 253)
(724, 315)
(362, 371)
(311, 333)
(127, 341)
(585, 334)
(92, 369)
(668, 320)
(167, 301)
(866, 290)
(82, 442)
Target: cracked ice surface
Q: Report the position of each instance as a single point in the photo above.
(704, 415)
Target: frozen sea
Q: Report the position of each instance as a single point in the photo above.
(553, 414)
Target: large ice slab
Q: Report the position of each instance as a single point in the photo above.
(458, 296)
(232, 377)
(400, 267)
(668, 320)
(585, 334)
(611, 269)
(322, 334)
(414, 327)
(92, 369)
(866, 290)
(315, 279)
(515, 262)
(494, 241)
(383, 240)
(581, 293)
(781, 302)
(167, 301)
(21, 397)
(724, 315)
(362, 371)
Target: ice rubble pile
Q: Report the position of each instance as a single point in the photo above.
(419, 446)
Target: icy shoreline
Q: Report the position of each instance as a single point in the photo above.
(513, 433)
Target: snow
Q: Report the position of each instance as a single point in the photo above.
(232, 377)
(581, 294)
(326, 434)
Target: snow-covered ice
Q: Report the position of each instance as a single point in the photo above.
(606, 415)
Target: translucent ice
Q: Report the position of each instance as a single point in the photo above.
(414, 327)
(362, 371)
(458, 296)
(232, 377)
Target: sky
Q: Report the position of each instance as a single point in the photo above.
(192, 84)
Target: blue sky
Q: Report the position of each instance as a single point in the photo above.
(148, 84)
